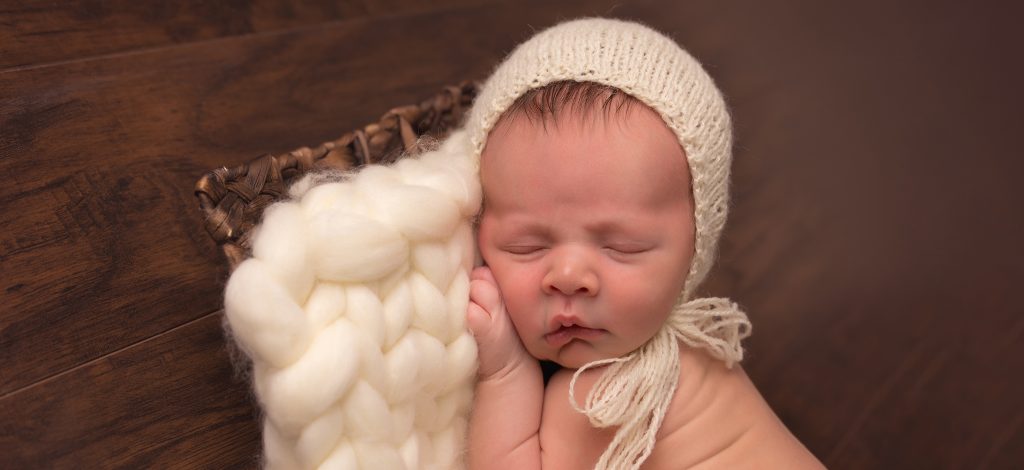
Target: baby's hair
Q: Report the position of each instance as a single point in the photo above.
(546, 103)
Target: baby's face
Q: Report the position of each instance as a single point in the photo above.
(588, 229)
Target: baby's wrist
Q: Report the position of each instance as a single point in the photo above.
(518, 368)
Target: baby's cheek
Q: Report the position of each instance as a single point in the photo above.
(520, 292)
(510, 276)
(524, 315)
(513, 305)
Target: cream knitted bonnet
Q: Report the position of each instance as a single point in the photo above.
(634, 391)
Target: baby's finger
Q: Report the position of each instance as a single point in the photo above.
(478, 320)
(486, 295)
(496, 340)
(483, 273)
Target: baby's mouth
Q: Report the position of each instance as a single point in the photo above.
(567, 333)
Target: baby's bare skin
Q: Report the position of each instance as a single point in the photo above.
(717, 419)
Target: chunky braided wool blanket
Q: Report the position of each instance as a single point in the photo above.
(352, 310)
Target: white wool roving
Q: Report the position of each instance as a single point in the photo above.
(352, 309)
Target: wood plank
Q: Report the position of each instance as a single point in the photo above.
(35, 32)
(872, 238)
(170, 401)
(106, 247)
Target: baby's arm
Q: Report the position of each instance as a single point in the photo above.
(505, 422)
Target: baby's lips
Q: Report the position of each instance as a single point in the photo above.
(563, 320)
(564, 335)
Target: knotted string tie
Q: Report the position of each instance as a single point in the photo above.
(635, 390)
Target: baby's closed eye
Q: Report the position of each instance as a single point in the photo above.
(629, 248)
(523, 249)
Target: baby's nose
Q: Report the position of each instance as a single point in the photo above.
(571, 274)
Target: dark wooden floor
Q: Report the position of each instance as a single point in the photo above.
(876, 238)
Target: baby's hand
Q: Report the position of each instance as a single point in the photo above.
(500, 350)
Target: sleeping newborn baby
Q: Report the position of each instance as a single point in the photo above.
(604, 158)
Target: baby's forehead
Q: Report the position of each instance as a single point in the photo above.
(631, 157)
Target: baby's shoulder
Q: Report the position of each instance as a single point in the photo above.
(568, 440)
(718, 419)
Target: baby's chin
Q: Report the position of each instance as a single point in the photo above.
(577, 354)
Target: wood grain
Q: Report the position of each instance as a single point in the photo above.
(35, 32)
(103, 154)
(171, 401)
(871, 237)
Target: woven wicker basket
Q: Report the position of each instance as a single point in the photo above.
(233, 200)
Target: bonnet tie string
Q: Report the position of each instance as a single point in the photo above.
(635, 390)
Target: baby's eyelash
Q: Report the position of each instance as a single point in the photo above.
(628, 250)
(522, 249)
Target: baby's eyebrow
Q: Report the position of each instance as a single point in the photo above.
(531, 228)
(608, 227)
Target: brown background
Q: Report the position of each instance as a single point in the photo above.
(875, 236)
